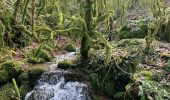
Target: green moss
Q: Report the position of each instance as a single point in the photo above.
(12, 68)
(119, 96)
(7, 92)
(94, 79)
(3, 76)
(143, 75)
(109, 88)
(129, 32)
(130, 42)
(124, 31)
(34, 75)
(48, 48)
(24, 77)
(39, 55)
(24, 89)
(66, 64)
(70, 47)
(34, 60)
(44, 55)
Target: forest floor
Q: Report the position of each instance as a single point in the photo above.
(161, 48)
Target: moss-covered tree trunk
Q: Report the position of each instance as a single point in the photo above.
(85, 47)
(33, 15)
(16, 10)
(26, 2)
(85, 43)
(167, 31)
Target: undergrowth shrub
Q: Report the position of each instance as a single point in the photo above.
(144, 87)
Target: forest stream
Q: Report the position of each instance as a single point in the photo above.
(52, 84)
(84, 49)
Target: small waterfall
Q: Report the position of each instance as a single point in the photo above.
(52, 85)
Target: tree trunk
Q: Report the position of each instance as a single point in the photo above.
(167, 32)
(85, 47)
(85, 43)
(16, 10)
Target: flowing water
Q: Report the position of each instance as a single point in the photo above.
(52, 84)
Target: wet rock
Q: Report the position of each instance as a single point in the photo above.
(52, 77)
(34, 75)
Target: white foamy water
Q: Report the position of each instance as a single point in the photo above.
(52, 85)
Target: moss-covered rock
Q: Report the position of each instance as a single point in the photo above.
(13, 69)
(34, 60)
(39, 55)
(7, 92)
(24, 89)
(24, 77)
(70, 47)
(34, 75)
(119, 96)
(44, 55)
(66, 64)
(3, 76)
